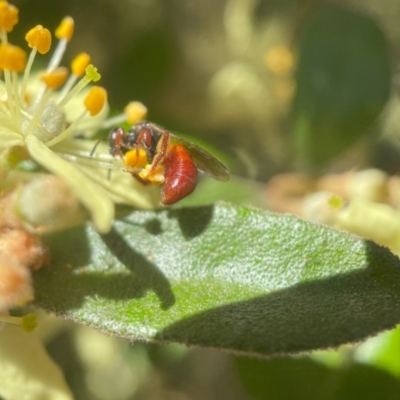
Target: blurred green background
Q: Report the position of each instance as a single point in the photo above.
(272, 86)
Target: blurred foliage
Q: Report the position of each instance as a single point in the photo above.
(303, 378)
(343, 82)
(91, 361)
(214, 70)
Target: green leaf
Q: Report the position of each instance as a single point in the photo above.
(343, 81)
(224, 276)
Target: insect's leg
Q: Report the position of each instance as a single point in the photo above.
(140, 179)
(161, 151)
(155, 172)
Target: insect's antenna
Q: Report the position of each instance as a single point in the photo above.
(95, 147)
(92, 154)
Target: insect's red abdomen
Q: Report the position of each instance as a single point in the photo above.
(180, 175)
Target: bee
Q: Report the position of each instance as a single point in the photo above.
(156, 156)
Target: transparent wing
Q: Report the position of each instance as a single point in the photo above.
(205, 162)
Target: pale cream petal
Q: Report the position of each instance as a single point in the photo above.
(92, 196)
(26, 370)
(124, 188)
(7, 123)
(121, 185)
(9, 138)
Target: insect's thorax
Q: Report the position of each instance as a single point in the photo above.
(146, 136)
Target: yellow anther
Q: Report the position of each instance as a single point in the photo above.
(135, 111)
(279, 60)
(66, 29)
(135, 158)
(29, 322)
(54, 79)
(12, 57)
(156, 175)
(95, 100)
(79, 64)
(8, 16)
(39, 38)
(91, 73)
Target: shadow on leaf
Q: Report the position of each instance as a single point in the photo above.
(193, 221)
(147, 275)
(72, 253)
(323, 313)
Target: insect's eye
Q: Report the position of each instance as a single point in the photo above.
(113, 143)
(145, 138)
(117, 141)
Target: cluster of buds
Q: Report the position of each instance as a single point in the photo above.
(365, 202)
(48, 179)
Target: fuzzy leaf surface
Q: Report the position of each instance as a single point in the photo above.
(223, 276)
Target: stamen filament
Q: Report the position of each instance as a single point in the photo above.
(90, 124)
(113, 121)
(57, 55)
(28, 322)
(10, 97)
(27, 72)
(74, 91)
(63, 33)
(78, 67)
(8, 319)
(53, 64)
(17, 102)
(67, 87)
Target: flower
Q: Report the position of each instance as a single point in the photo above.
(41, 116)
